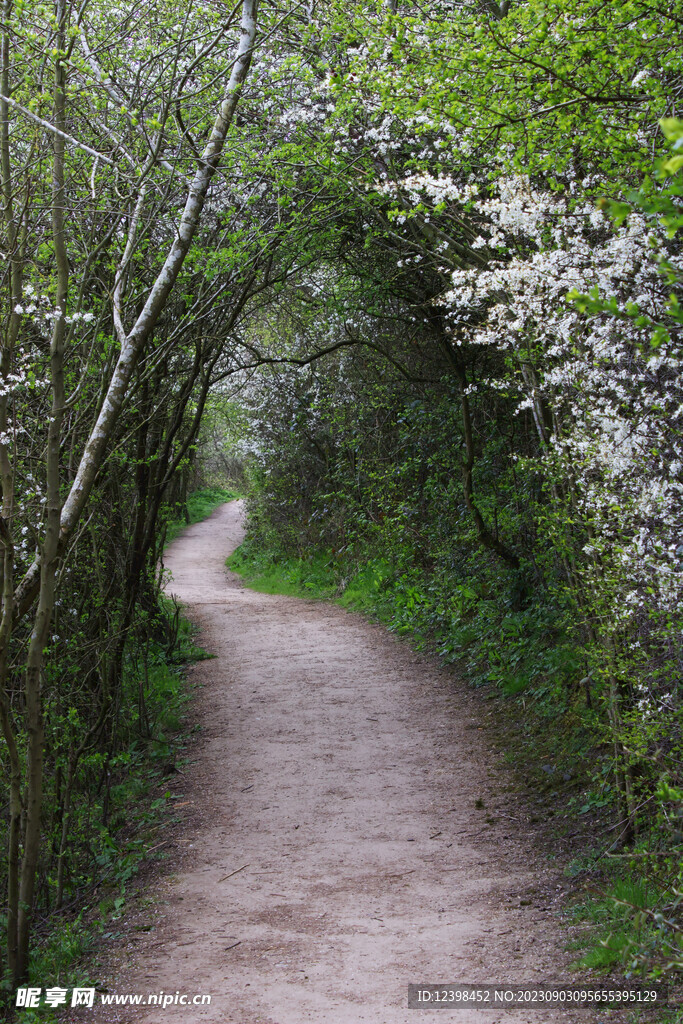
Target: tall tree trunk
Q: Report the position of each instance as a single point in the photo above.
(49, 554)
(9, 338)
(486, 538)
(39, 584)
(137, 337)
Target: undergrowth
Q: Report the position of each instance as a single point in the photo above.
(121, 824)
(123, 827)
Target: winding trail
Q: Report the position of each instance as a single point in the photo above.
(331, 850)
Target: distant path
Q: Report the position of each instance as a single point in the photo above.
(332, 851)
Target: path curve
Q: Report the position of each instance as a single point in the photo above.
(332, 851)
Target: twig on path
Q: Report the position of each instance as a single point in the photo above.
(233, 945)
(158, 846)
(233, 873)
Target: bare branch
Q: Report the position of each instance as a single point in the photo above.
(56, 131)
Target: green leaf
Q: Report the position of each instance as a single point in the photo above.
(673, 164)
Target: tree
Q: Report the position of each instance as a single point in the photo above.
(471, 145)
(117, 302)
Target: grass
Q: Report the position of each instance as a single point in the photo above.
(615, 922)
(141, 808)
(293, 577)
(321, 576)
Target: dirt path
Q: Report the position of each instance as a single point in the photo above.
(334, 852)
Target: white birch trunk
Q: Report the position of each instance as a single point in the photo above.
(135, 339)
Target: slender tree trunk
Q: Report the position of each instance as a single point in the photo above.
(15, 238)
(486, 538)
(39, 585)
(49, 555)
(15, 806)
(137, 337)
(66, 822)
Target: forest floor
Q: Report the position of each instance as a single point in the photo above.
(346, 828)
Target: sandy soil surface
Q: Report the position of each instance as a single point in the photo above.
(331, 850)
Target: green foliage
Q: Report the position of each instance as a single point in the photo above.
(116, 824)
(106, 800)
(631, 917)
(381, 151)
(298, 577)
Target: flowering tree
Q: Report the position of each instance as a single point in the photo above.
(478, 148)
(418, 221)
